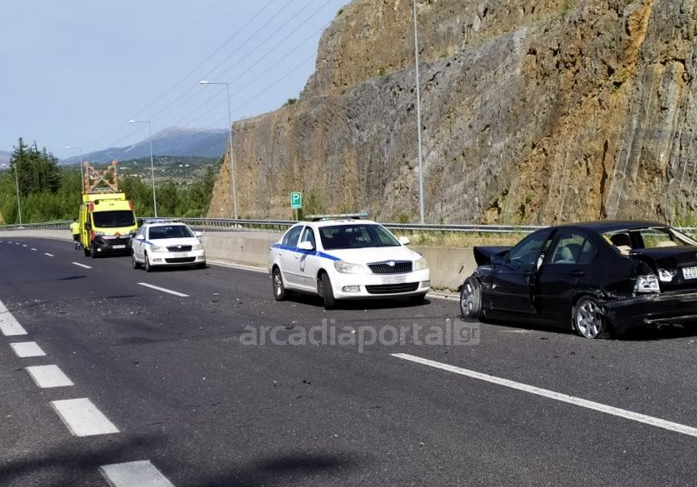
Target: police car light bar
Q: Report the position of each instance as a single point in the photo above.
(342, 216)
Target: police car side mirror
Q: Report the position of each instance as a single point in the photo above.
(404, 240)
(198, 234)
(140, 237)
(306, 245)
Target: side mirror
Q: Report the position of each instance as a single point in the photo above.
(306, 245)
(198, 234)
(497, 259)
(140, 237)
(404, 240)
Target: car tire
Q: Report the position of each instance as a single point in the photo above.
(135, 263)
(146, 262)
(86, 251)
(279, 289)
(471, 299)
(326, 291)
(588, 319)
(93, 251)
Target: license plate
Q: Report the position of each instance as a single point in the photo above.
(689, 272)
(118, 246)
(394, 279)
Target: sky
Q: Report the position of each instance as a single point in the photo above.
(74, 72)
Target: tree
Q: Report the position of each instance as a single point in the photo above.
(37, 171)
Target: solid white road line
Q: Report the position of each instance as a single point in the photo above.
(9, 326)
(142, 474)
(46, 376)
(164, 290)
(27, 349)
(576, 401)
(81, 265)
(83, 418)
(46, 253)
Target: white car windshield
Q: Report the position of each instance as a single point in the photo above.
(356, 236)
(170, 231)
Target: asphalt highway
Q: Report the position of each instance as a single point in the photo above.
(115, 376)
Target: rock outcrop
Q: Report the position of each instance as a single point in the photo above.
(540, 112)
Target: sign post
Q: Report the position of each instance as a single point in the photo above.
(296, 202)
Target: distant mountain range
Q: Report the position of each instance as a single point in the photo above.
(168, 142)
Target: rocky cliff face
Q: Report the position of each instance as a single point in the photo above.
(539, 112)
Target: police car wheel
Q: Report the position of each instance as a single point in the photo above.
(325, 289)
(279, 290)
(146, 263)
(135, 263)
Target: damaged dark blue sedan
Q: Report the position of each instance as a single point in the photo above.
(597, 278)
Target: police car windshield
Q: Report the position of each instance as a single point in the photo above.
(170, 231)
(356, 236)
(114, 219)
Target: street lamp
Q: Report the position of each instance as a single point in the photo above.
(418, 116)
(232, 159)
(19, 207)
(82, 176)
(152, 163)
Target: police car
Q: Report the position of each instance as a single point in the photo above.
(345, 257)
(166, 243)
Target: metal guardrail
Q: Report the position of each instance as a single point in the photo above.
(282, 225)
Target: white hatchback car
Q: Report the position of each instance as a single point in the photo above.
(346, 259)
(167, 244)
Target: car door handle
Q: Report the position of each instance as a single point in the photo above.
(577, 273)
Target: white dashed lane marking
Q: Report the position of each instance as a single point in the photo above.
(46, 376)
(46, 253)
(83, 418)
(142, 474)
(8, 324)
(27, 349)
(164, 290)
(81, 265)
(557, 396)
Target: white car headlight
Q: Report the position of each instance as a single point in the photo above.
(647, 284)
(349, 268)
(420, 264)
(198, 246)
(157, 248)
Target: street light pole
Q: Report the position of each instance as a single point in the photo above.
(82, 175)
(152, 162)
(19, 206)
(232, 159)
(418, 116)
